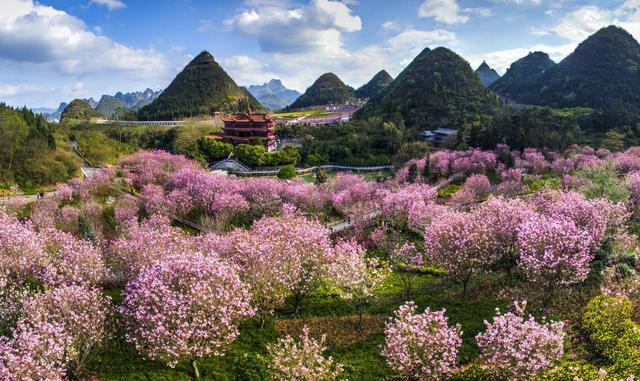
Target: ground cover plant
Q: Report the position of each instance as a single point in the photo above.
(465, 265)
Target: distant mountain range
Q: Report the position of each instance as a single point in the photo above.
(200, 89)
(487, 74)
(273, 94)
(438, 88)
(109, 105)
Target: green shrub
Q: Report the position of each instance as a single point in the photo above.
(539, 184)
(449, 190)
(570, 371)
(287, 172)
(475, 372)
(608, 322)
(251, 367)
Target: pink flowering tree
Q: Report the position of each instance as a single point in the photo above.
(355, 197)
(60, 329)
(36, 354)
(479, 185)
(302, 360)
(553, 252)
(405, 259)
(12, 295)
(154, 167)
(279, 257)
(599, 218)
(421, 346)
(70, 260)
(459, 243)
(518, 345)
(186, 307)
(633, 183)
(21, 249)
(355, 277)
(145, 243)
(502, 216)
(397, 204)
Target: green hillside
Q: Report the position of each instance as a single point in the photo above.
(438, 89)
(518, 82)
(201, 89)
(78, 110)
(328, 89)
(378, 83)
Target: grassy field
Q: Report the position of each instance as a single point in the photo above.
(358, 348)
(297, 114)
(370, 176)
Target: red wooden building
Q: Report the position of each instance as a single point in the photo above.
(243, 127)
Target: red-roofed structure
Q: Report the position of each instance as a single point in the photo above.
(241, 128)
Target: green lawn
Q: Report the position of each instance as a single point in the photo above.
(297, 114)
(358, 351)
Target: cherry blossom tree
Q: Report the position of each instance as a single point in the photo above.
(421, 346)
(354, 276)
(553, 252)
(502, 216)
(479, 185)
(21, 249)
(58, 331)
(460, 243)
(145, 243)
(404, 260)
(518, 345)
(278, 257)
(70, 260)
(185, 307)
(302, 360)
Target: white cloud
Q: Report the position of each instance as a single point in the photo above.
(11, 89)
(583, 22)
(111, 4)
(34, 33)
(246, 70)
(444, 11)
(391, 26)
(41, 43)
(482, 12)
(283, 29)
(502, 59)
(205, 26)
(300, 42)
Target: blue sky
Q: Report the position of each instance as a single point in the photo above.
(57, 50)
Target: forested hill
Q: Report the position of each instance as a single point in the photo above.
(328, 89)
(438, 89)
(28, 152)
(201, 89)
(602, 73)
(78, 110)
(521, 78)
(378, 83)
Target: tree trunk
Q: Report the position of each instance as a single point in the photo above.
(195, 370)
(465, 282)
